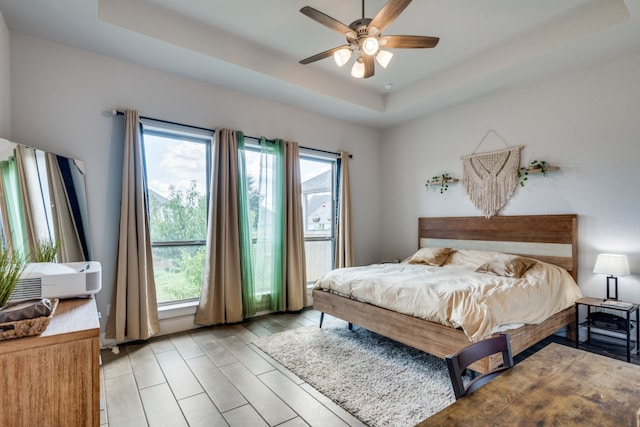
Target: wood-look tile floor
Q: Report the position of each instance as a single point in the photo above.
(213, 376)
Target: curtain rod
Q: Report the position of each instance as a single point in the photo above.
(121, 113)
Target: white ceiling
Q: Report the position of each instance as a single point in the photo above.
(255, 45)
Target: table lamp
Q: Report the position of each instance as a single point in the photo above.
(613, 266)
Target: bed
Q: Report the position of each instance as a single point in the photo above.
(551, 239)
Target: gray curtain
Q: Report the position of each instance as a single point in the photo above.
(295, 275)
(64, 226)
(221, 295)
(134, 311)
(25, 161)
(345, 256)
(4, 211)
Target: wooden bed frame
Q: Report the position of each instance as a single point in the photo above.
(549, 238)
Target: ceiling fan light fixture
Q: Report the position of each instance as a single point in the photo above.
(366, 35)
(358, 69)
(342, 56)
(384, 57)
(370, 46)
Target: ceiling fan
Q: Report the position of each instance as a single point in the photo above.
(365, 36)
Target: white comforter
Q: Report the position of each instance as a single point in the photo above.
(455, 295)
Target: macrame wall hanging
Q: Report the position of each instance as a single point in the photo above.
(490, 178)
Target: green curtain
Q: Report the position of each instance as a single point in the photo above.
(246, 245)
(13, 199)
(269, 228)
(272, 236)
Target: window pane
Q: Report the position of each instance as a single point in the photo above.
(319, 257)
(317, 197)
(178, 272)
(176, 177)
(318, 210)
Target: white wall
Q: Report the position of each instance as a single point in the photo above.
(62, 99)
(587, 123)
(5, 84)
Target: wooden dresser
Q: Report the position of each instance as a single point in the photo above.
(54, 379)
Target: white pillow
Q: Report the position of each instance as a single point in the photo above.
(430, 256)
(507, 265)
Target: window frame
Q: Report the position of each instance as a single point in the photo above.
(312, 155)
(179, 133)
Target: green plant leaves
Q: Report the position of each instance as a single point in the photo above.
(11, 267)
(442, 180)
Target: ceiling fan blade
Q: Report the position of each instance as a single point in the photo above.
(408, 42)
(326, 20)
(388, 13)
(322, 55)
(369, 66)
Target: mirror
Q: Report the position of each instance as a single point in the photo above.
(42, 203)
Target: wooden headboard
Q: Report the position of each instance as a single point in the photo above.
(548, 238)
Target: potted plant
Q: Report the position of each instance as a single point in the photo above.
(46, 250)
(11, 267)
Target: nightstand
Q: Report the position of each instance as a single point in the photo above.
(620, 324)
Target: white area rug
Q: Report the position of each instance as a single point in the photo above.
(380, 381)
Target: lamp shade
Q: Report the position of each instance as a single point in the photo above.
(358, 69)
(383, 57)
(342, 56)
(370, 46)
(612, 265)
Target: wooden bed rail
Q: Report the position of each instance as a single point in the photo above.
(431, 337)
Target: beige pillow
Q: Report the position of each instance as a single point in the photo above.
(507, 265)
(430, 256)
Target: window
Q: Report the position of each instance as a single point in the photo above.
(178, 172)
(319, 200)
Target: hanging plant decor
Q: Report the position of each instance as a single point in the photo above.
(490, 178)
(441, 180)
(538, 165)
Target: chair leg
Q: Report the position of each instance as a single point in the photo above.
(321, 319)
(350, 326)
